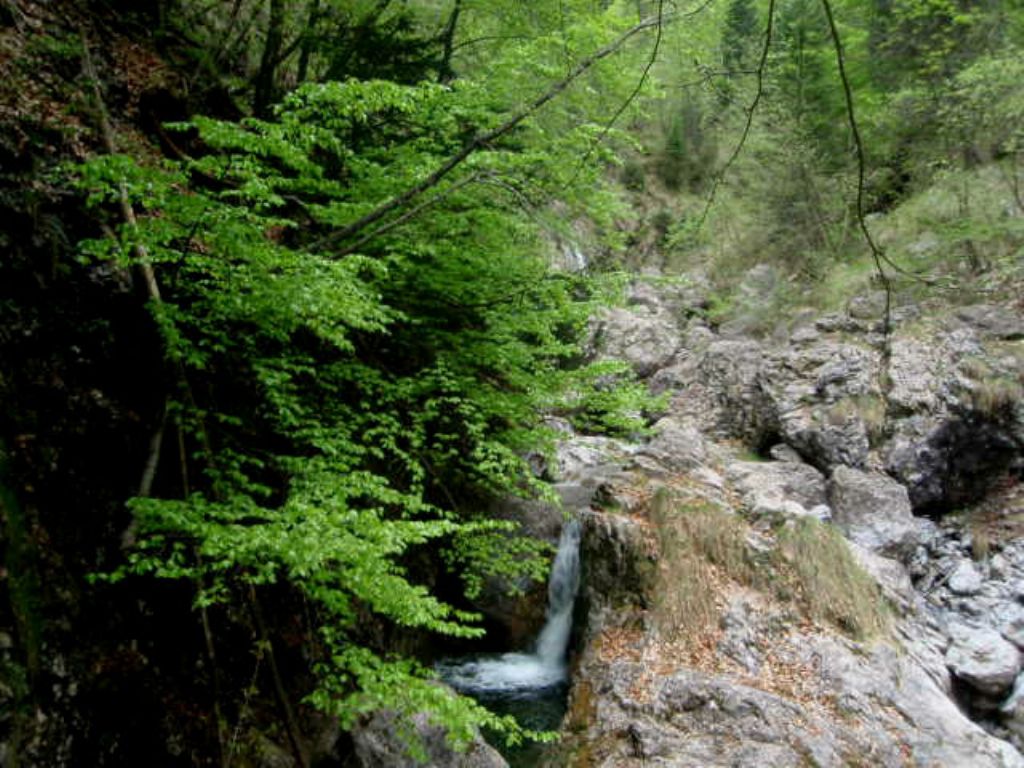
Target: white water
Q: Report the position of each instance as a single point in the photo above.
(573, 259)
(521, 673)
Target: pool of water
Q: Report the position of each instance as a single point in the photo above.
(532, 687)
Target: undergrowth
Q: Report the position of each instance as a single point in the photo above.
(704, 547)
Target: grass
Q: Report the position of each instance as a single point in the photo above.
(700, 544)
(829, 583)
(705, 547)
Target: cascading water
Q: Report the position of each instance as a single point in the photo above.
(527, 675)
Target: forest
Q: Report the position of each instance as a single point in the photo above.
(293, 292)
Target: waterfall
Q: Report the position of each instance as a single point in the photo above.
(574, 259)
(525, 673)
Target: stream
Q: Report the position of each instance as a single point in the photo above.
(533, 686)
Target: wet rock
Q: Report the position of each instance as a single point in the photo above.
(586, 457)
(380, 743)
(618, 565)
(982, 659)
(873, 510)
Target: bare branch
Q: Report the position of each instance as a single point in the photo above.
(629, 99)
(876, 252)
(762, 65)
(399, 220)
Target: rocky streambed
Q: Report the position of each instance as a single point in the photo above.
(814, 558)
(696, 652)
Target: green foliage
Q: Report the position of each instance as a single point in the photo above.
(738, 35)
(349, 405)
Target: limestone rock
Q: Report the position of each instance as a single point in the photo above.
(676, 445)
(778, 488)
(992, 321)
(645, 337)
(378, 744)
(982, 659)
(873, 510)
(617, 565)
(965, 579)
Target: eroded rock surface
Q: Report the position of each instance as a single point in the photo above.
(866, 432)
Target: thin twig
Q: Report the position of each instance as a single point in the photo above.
(291, 725)
(629, 99)
(876, 252)
(762, 66)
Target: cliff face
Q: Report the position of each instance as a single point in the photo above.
(726, 623)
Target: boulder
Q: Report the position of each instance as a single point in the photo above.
(992, 321)
(824, 400)
(676, 445)
(379, 742)
(646, 338)
(965, 579)
(778, 488)
(980, 657)
(617, 564)
(873, 510)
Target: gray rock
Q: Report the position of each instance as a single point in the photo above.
(821, 398)
(870, 306)
(873, 510)
(646, 338)
(965, 579)
(992, 321)
(982, 659)
(676, 445)
(1008, 618)
(1012, 710)
(778, 488)
(891, 576)
(735, 404)
(585, 457)
(783, 452)
(379, 744)
(618, 568)
(740, 629)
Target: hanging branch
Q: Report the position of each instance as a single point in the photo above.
(762, 66)
(483, 139)
(629, 99)
(399, 220)
(876, 252)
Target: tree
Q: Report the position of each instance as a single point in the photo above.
(353, 379)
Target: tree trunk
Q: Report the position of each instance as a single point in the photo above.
(445, 73)
(265, 90)
(306, 50)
